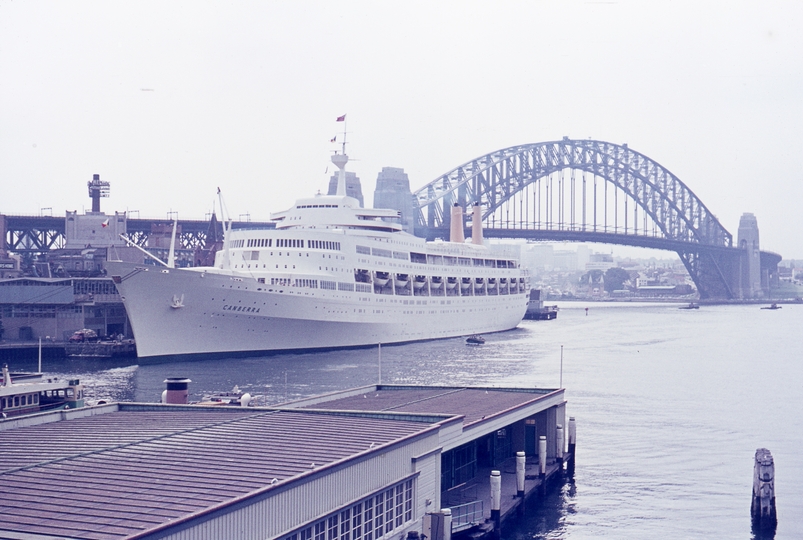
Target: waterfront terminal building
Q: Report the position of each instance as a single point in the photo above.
(370, 463)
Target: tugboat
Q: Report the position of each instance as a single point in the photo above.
(475, 339)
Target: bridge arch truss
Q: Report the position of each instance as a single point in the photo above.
(573, 185)
(585, 190)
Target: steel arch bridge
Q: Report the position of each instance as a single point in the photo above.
(589, 191)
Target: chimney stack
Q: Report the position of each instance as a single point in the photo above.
(456, 233)
(476, 225)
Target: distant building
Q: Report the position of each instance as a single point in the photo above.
(539, 257)
(94, 229)
(353, 186)
(393, 191)
(583, 256)
(9, 266)
(600, 261)
(55, 308)
(565, 260)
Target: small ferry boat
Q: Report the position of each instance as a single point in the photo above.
(476, 339)
(691, 305)
(536, 310)
(27, 393)
(773, 306)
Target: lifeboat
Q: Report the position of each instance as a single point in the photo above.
(437, 282)
(465, 283)
(362, 276)
(402, 280)
(419, 282)
(491, 283)
(479, 283)
(451, 282)
(381, 278)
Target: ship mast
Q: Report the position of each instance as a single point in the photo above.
(340, 161)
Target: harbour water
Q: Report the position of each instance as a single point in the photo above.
(670, 404)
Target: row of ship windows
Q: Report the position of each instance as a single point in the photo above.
(401, 285)
(440, 260)
(11, 402)
(373, 518)
(422, 258)
(285, 242)
(19, 401)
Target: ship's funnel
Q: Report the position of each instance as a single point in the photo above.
(476, 225)
(456, 233)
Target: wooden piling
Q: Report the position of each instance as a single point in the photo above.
(572, 446)
(521, 461)
(762, 508)
(496, 498)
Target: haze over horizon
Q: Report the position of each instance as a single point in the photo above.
(169, 101)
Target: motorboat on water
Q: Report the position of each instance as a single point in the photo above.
(475, 339)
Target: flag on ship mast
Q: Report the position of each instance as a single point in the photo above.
(333, 139)
(341, 118)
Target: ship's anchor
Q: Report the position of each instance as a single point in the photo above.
(177, 302)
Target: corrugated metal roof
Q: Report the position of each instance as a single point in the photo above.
(475, 404)
(117, 474)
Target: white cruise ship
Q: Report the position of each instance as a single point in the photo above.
(331, 274)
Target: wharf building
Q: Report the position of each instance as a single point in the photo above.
(66, 289)
(371, 463)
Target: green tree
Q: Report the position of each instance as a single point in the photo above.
(615, 279)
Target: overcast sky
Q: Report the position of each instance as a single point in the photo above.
(169, 100)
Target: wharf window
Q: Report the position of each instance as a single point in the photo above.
(379, 252)
(435, 259)
(464, 261)
(490, 263)
(400, 255)
(478, 262)
(329, 285)
(372, 518)
(450, 261)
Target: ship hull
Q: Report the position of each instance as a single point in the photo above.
(177, 312)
